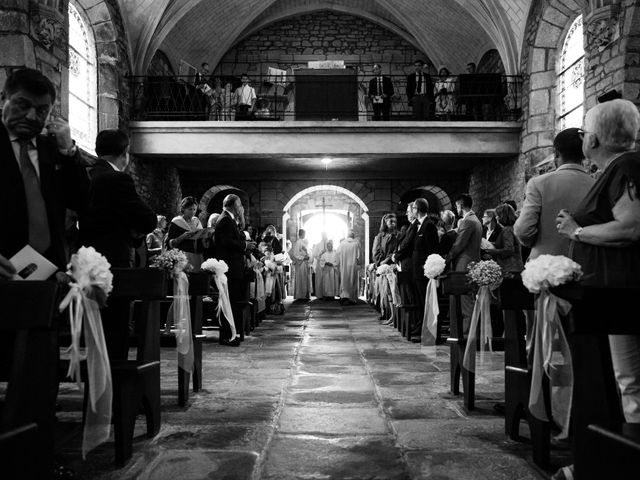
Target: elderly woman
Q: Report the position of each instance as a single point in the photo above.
(605, 228)
(182, 227)
(507, 248)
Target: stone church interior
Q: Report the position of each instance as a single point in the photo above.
(347, 141)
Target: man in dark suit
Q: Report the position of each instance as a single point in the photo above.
(116, 220)
(380, 93)
(425, 243)
(466, 249)
(230, 245)
(420, 91)
(40, 176)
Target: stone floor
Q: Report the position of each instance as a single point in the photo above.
(323, 392)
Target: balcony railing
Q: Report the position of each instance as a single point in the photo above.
(325, 96)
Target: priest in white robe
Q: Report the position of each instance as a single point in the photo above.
(350, 260)
(330, 276)
(317, 250)
(301, 272)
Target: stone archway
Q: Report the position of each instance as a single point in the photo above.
(211, 201)
(436, 196)
(361, 207)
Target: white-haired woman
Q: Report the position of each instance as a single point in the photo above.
(605, 229)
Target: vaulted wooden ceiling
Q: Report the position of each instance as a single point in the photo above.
(448, 31)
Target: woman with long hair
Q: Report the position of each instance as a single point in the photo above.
(182, 227)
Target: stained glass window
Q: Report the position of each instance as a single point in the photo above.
(83, 118)
(571, 78)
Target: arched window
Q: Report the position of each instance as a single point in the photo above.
(571, 78)
(83, 79)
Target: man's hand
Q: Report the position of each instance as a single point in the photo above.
(7, 270)
(566, 224)
(62, 132)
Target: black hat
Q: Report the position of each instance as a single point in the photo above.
(569, 143)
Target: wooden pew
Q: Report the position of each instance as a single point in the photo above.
(517, 373)
(29, 357)
(199, 286)
(604, 446)
(456, 284)
(136, 383)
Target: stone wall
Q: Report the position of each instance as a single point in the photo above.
(35, 34)
(494, 182)
(322, 35)
(158, 184)
(612, 50)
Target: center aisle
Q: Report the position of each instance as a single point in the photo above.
(326, 392)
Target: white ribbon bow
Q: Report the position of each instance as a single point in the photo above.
(83, 309)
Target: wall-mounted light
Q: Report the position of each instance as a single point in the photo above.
(326, 161)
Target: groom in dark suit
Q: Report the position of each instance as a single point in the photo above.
(116, 219)
(380, 93)
(40, 176)
(425, 243)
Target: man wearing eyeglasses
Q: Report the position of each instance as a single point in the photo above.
(40, 176)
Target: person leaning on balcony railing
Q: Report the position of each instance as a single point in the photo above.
(245, 99)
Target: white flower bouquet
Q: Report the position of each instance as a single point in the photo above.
(386, 269)
(548, 271)
(270, 264)
(434, 265)
(91, 272)
(218, 267)
(486, 273)
(282, 259)
(172, 261)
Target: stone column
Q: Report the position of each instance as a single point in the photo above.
(34, 33)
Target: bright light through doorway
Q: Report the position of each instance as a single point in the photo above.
(335, 226)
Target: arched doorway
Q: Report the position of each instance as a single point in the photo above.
(437, 198)
(211, 201)
(331, 207)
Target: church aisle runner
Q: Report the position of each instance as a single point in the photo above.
(324, 392)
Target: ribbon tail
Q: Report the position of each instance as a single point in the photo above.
(486, 332)
(469, 360)
(224, 303)
(97, 425)
(431, 312)
(182, 316)
(76, 313)
(536, 396)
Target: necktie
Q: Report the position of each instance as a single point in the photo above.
(419, 87)
(379, 85)
(39, 237)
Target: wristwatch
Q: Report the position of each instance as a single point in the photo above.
(576, 233)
